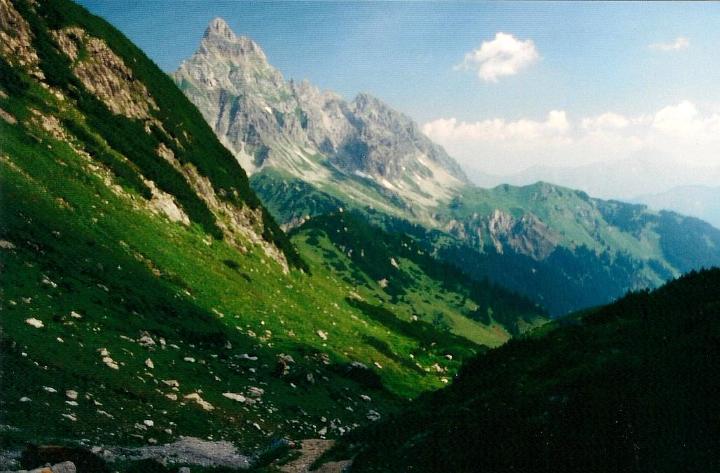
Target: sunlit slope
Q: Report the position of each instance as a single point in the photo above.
(142, 279)
(394, 270)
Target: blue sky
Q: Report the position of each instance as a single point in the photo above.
(593, 56)
(590, 59)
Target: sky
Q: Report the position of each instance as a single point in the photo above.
(514, 91)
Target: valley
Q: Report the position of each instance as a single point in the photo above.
(218, 269)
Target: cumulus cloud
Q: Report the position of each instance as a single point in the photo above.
(678, 136)
(607, 120)
(498, 129)
(503, 56)
(678, 44)
(684, 120)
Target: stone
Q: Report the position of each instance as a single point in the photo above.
(6, 245)
(64, 467)
(282, 365)
(32, 321)
(146, 340)
(110, 363)
(206, 406)
(71, 458)
(235, 397)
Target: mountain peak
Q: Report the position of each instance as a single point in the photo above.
(219, 28)
(220, 39)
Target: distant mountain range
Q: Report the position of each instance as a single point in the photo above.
(310, 153)
(699, 201)
(624, 179)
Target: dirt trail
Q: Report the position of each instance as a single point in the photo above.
(310, 451)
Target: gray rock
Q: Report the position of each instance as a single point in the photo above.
(64, 467)
(189, 450)
(267, 121)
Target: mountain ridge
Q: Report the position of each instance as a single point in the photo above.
(702, 202)
(267, 121)
(313, 153)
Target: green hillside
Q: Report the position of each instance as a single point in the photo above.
(148, 295)
(556, 246)
(627, 387)
(396, 270)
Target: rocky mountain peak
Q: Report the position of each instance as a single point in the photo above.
(268, 121)
(221, 41)
(219, 28)
(364, 100)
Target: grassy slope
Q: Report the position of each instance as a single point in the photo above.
(605, 247)
(365, 255)
(72, 244)
(627, 387)
(184, 130)
(601, 226)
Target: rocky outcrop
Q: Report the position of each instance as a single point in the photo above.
(104, 74)
(526, 234)
(16, 40)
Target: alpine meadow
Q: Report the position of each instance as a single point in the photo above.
(212, 261)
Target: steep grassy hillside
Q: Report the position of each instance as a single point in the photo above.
(146, 292)
(567, 250)
(396, 270)
(556, 246)
(627, 387)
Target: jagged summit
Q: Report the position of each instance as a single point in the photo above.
(270, 122)
(221, 43)
(219, 27)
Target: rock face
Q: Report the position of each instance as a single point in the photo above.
(243, 98)
(267, 121)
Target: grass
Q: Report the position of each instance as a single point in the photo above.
(626, 387)
(101, 271)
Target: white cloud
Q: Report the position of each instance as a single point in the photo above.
(684, 120)
(607, 120)
(679, 43)
(498, 129)
(503, 56)
(682, 136)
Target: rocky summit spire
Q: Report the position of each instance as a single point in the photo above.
(219, 28)
(221, 41)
